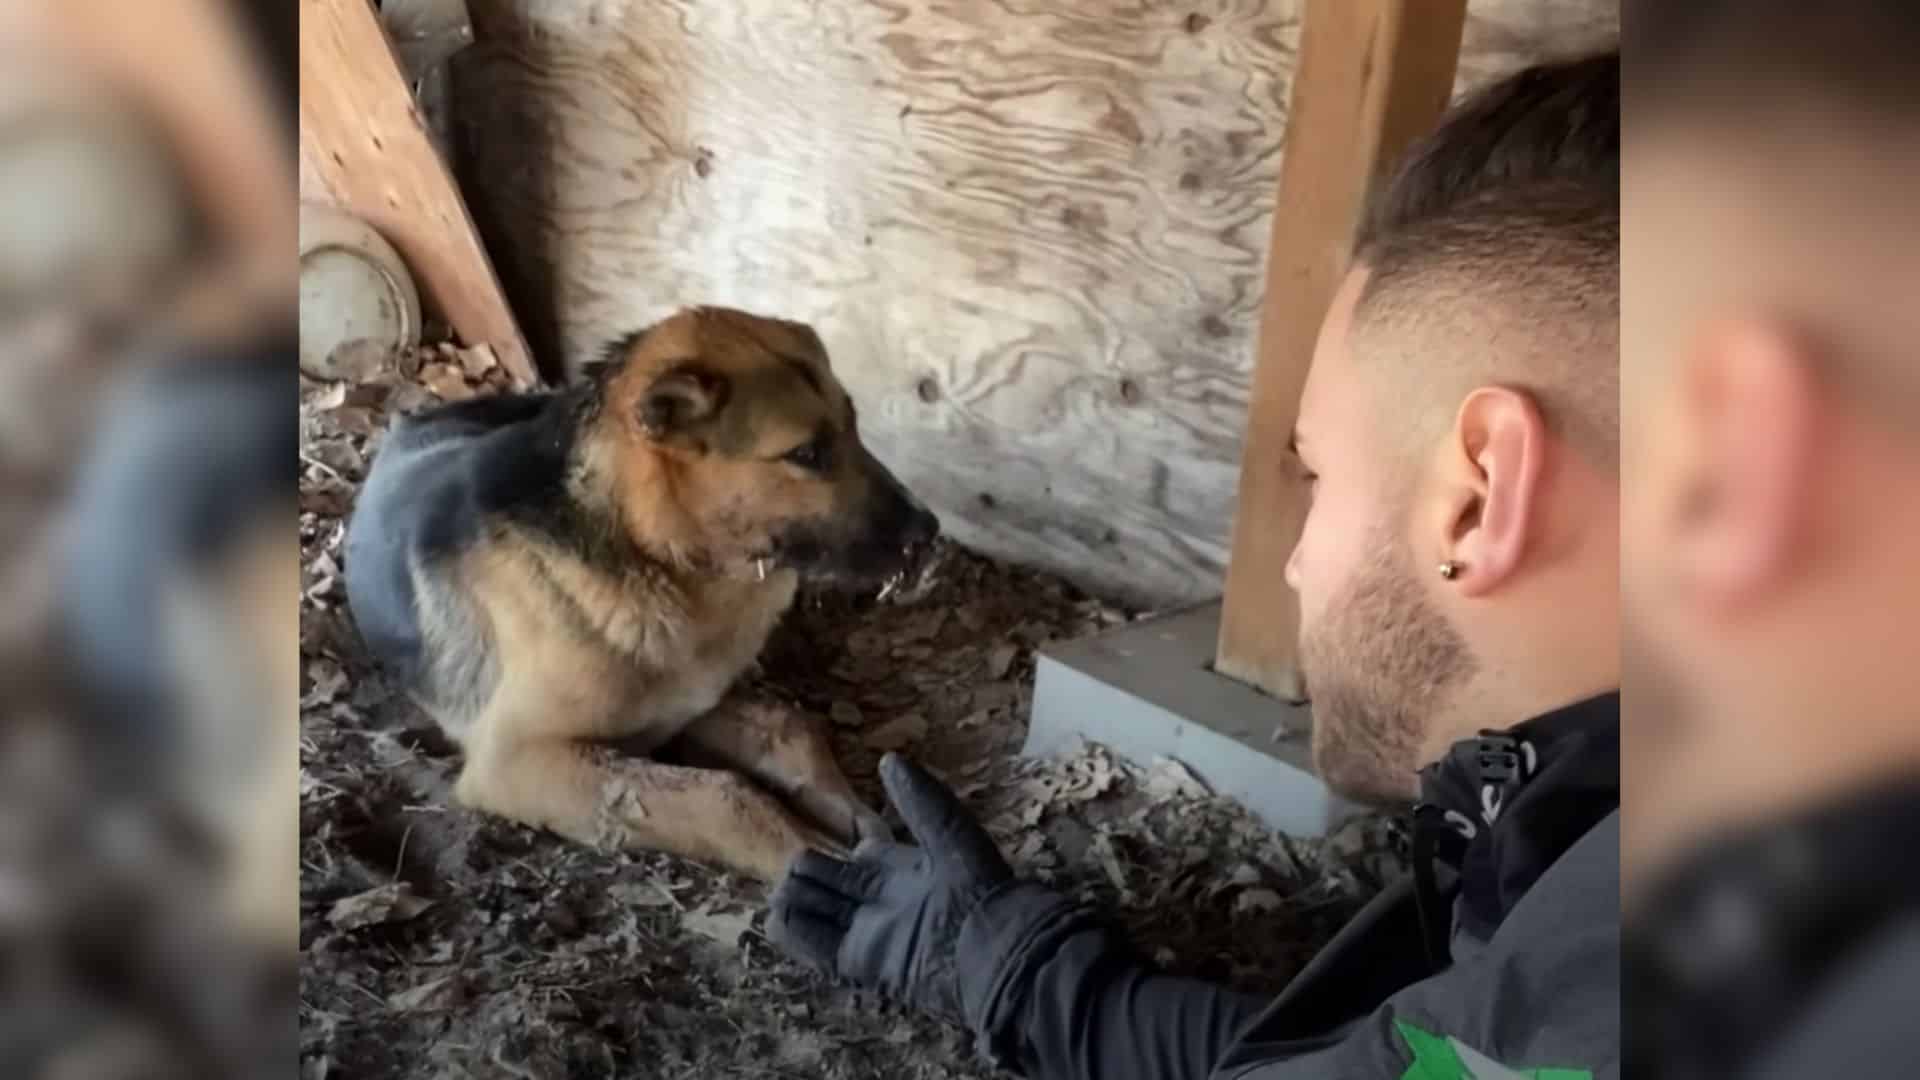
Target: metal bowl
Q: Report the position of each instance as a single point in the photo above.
(359, 308)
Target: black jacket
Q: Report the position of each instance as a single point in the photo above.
(1788, 949)
(1500, 958)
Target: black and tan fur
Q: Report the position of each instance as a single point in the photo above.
(553, 574)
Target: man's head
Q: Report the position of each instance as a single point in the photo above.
(1462, 409)
(1772, 381)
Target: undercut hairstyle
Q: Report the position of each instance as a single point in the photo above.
(1555, 122)
(1497, 243)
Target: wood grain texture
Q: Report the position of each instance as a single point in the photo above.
(364, 148)
(1374, 75)
(1033, 233)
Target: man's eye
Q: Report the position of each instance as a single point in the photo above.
(812, 455)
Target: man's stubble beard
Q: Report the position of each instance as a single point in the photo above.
(1380, 665)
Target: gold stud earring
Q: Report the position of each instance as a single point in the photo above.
(1449, 569)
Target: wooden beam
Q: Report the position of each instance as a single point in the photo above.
(187, 66)
(364, 148)
(1373, 76)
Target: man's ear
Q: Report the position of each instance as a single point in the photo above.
(1495, 455)
(680, 399)
(1747, 415)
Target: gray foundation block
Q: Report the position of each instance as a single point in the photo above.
(1146, 690)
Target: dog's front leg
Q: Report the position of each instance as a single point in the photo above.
(787, 750)
(592, 794)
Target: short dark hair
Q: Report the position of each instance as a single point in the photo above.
(1552, 123)
(1504, 224)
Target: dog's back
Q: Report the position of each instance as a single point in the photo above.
(420, 506)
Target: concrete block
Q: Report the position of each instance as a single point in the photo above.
(1146, 690)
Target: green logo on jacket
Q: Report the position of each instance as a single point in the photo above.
(1441, 1057)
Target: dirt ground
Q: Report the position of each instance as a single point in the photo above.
(436, 943)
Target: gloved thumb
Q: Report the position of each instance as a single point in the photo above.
(940, 824)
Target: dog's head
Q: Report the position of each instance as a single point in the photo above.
(734, 443)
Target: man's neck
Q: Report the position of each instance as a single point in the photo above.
(1491, 710)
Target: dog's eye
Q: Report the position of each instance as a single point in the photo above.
(808, 455)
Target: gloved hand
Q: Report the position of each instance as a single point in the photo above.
(891, 917)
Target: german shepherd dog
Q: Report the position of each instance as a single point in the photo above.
(569, 581)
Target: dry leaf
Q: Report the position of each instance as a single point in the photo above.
(326, 584)
(846, 714)
(1000, 660)
(328, 681)
(727, 928)
(645, 894)
(1168, 779)
(326, 579)
(334, 396)
(477, 360)
(325, 495)
(898, 733)
(867, 642)
(385, 904)
(995, 695)
(1256, 900)
(338, 455)
(354, 420)
(922, 627)
(439, 992)
(373, 393)
(410, 397)
(447, 381)
(1088, 776)
(1109, 860)
(409, 363)
(1033, 845)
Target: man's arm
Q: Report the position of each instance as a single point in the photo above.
(1075, 1001)
(1049, 989)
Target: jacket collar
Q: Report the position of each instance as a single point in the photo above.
(1730, 947)
(1501, 808)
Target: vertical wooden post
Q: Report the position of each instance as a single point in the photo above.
(1373, 76)
(364, 148)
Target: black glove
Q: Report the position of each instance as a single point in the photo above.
(891, 918)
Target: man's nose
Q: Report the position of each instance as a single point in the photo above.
(1292, 572)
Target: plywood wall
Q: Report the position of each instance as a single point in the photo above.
(1031, 232)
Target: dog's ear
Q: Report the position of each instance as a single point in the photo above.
(681, 398)
(614, 354)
